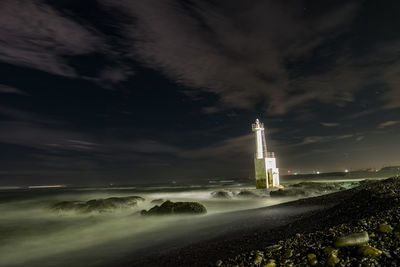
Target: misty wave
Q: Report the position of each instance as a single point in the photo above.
(32, 234)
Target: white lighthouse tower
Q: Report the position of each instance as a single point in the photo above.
(267, 175)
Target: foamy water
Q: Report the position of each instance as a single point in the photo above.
(33, 235)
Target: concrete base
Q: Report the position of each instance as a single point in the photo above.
(260, 173)
(266, 174)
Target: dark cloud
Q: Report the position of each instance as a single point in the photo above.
(238, 53)
(245, 53)
(323, 139)
(188, 78)
(35, 35)
(360, 138)
(330, 124)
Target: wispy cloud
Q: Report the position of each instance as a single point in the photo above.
(42, 137)
(223, 149)
(33, 34)
(330, 124)
(323, 139)
(360, 138)
(4, 89)
(387, 124)
(233, 49)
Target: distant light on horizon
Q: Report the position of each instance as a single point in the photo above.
(346, 170)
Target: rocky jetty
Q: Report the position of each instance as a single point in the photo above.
(169, 207)
(97, 205)
(361, 227)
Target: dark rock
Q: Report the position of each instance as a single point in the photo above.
(287, 192)
(221, 194)
(366, 219)
(258, 260)
(97, 205)
(355, 239)
(66, 206)
(369, 251)
(158, 201)
(385, 228)
(312, 259)
(273, 248)
(333, 258)
(248, 194)
(169, 207)
(270, 263)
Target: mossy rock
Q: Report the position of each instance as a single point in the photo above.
(169, 207)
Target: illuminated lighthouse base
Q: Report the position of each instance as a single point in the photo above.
(266, 172)
(267, 175)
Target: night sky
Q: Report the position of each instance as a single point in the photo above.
(94, 92)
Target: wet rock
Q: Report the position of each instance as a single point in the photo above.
(101, 205)
(397, 227)
(312, 259)
(369, 251)
(273, 248)
(385, 228)
(221, 194)
(356, 220)
(270, 263)
(328, 250)
(288, 254)
(258, 260)
(355, 239)
(158, 201)
(169, 207)
(97, 205)
(66, 206)
(372, 235)
(112, 203)
(333, 258)
(287, 192)
(248, 194)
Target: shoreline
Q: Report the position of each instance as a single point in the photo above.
(333, 209)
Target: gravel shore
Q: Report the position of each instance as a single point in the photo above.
(308, 238)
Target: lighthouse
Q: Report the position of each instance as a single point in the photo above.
(266, 172)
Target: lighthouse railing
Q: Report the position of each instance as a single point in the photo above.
(257, 126)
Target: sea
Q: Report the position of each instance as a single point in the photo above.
(32, 234)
